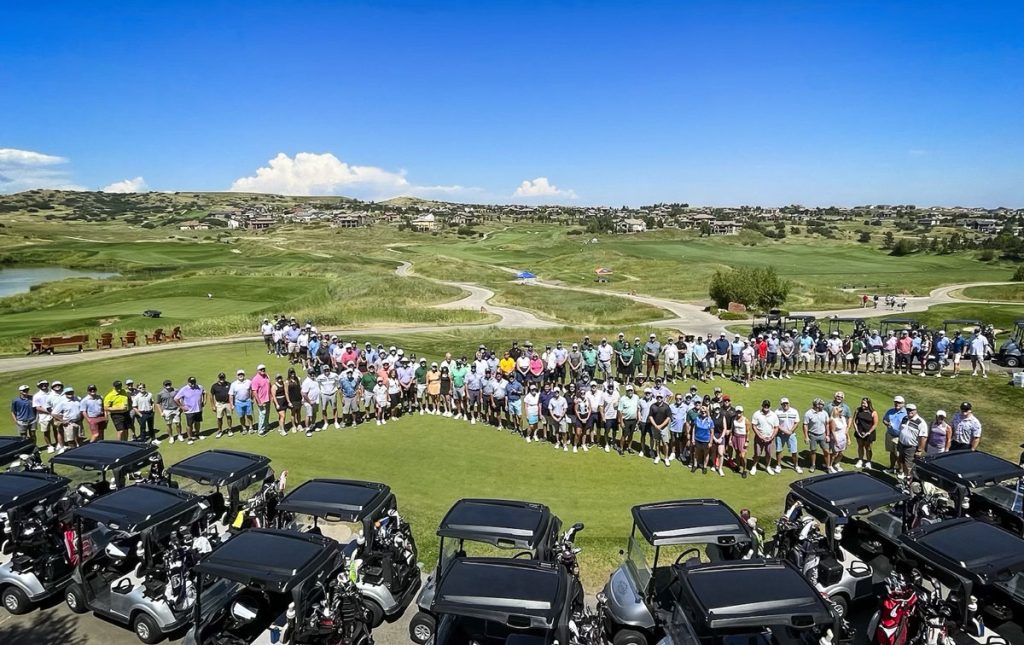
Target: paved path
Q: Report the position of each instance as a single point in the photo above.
(940, 296)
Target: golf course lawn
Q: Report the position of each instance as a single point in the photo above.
(1006, 292)
(433, 461)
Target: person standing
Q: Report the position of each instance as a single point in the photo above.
(628, 406)
(719, 438)
(765, 424)
(787, 357)
(44, 420)
(912, 440)
(957, 348)
(557, 408)
(940, 434)
(458, 373)
(837, 430)
(701, 430)
(514, 394)
(474, 392)
(660, 416)
(118, 408)
(267, 331)
(865, 422)
(678, 438)
(609, 414)
(279, 394)
(293, 395)
(966, 429)
(260, 396)
(434, 389)
(381, 399)
(349, 386)
(166, 407)
(605, 352)
(311, 402)
(980, 350)
(816, 434)
(738, 440)
(652, 352)
(893, 420)
(24, 414)
(531, 408)
(67, 416)
(220, 401)
(670, 352)
(142, 406)
(624, 366)
(789, 419)
(190, 399)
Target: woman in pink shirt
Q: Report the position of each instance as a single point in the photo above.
(536, 368)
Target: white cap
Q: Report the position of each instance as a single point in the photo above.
(940, 413)
(783, 400)
(23, 388)
(911, 406)
(739, 408)
(240, 371)
(897, 399)
(261, 366)
(629, 388)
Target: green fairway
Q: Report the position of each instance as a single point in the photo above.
(432, 461)
(1007, 292)
(1001, 317)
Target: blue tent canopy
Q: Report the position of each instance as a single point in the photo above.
(525, 275)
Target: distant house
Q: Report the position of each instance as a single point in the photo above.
(234, 223)
(425, 223)
(351, 220)
(982, 225)
(931, 220)
(631, 225)
(259, 223)
(193, 225)
(725, 227)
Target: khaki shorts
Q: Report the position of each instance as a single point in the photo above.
(223, 409)
(71, 431)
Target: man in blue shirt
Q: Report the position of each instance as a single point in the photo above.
(677, 446)
(941, 350)
(893, 419)
(957, 348)
(514, 396)
(24, 413)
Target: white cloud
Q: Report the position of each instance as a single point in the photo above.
(26, 169)
(136, 185)
(309, 173)
(541, 187)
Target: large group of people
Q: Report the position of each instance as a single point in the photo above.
(579, 397)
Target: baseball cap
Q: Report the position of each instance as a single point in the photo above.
(166, 383)
(766, 403)
(69, 390)
(966, 405)
(433, 364)
(783, 400)
(222, 374)
(630, 388)
(739, 408)
(55, 383)
(261, 366)
(897, 399)
(23, 388)
(727, 398)
(911, 406)
(92, 388)
(127, 381)
(940, 413)
(648, 390)
(42, 382)
(240, 371)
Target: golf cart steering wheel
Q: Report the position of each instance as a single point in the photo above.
(691, 552)
(523, 554)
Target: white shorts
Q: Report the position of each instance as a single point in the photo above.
(309, 409)
(293, 347)
(956, 359)
(71, 431)
(43, 421)
(171, 416)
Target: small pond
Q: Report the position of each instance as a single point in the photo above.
(14, 281)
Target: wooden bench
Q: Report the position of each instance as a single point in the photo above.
(130, 339)
(105, 341)
(48, 344)
(156, 337)
(175, 334)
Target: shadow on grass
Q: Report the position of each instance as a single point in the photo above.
(47, 628)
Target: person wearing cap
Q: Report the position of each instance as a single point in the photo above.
(787, 356)
(788, 418)
(893, 420)
(966, 429)
(582, 418)
(957, 349)
(979, 349)
(590, 358)
(558, 408)
(747, 357)
(434, 389)
(131, 389)
(487, 386)
(904, 352)
(609, 412)
(67, 415)
(940, 434)
(605, 354)
(310, 392)
(643, 413)
(143, 408)
(722, 349)
(941, 350)
(514, 391)
(349, 386)
(820, 353)
(117, 405)
(531, 409)
(660, 416)
(260, 395)
(701, 428)
(652, 357)
(220, 402)
(700, 352)
(720, 432)
(595, 402)
(190, 399)
(636, 367)
(815, 426)
(561, 357)
(912, 440)
(474, 386)
(835, 353)
(328, 382)
(44, 420)
(23, 413)
(368, 381)
(838, 426)
(574, 361)
(166, 407)
(678, 435)
(617, 345)
(865, 422)
(497, 399)
(267, 331)
(624, 363)
(765, 424)
(738, 440)
(381, 401)
(670, 359)
(241, 400)
(628, 408)
(522, 373)
(805, 352)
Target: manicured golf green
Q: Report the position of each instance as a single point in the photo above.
(432, 461)
(1007, 292)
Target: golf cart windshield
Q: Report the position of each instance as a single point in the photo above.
(638, 562)
(338, 530)
(11, 448)
(207, 472)
(337, 508)
(496, 528)
(452, 548)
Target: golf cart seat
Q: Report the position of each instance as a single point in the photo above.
(218, 507)
(127, 582)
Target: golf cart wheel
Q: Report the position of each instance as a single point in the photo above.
(629, 637)
(146, 628)
(933, 366)
(840, 604)
(421, 628)
(75, 599)
(1013, 361)
(15, 600)
(374, 613)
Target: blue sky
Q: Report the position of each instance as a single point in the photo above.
(576, 102)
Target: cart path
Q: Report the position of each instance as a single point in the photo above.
(941, 296)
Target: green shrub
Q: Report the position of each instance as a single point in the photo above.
(1018, 275)
(732, 315)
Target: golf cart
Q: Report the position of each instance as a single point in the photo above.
(772, 321)
(844, 502)
(636, 589)
(363, 517)
(494, 601)
(491, 527)
(229, 480)
(18, 453)
(277, 586)
(152, 313)
(989, 557)
(96, 469)
(1010, 351)
(897, 326)
(835, 324)
(136, 548)
(980, 485)
(749, 601)
(34, 560)
(799, 323)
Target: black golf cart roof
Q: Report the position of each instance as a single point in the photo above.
(101, 455)
(503, 590)
(846, 493)
(962, 321)
(690, 521)
(11, 447)
(898, 321)
(804, 317)
(336, 499)
(967, 467)
(750, 593)
(842, 319)
(19, 489)
(271, 559)
(494, 520)
(966, 545)
(220, 467)
(136, 508)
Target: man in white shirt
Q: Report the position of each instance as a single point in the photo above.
(328, 382)
(311, 402)
(44, 420)
(766, 427)
(980, 349)
(609, 415)
(604, 358)
(595, 400)
(241, 400)
(67, 414)
(267, 330)
(671, 352)
(789, 420)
